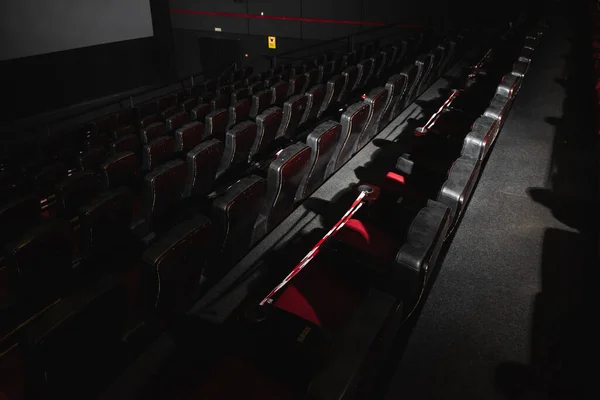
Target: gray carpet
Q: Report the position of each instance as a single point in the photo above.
(499, 320)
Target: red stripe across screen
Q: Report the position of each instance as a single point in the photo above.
(284, 18)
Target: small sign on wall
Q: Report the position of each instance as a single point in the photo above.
(272, 42)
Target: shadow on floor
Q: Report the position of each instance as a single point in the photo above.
(563, 329)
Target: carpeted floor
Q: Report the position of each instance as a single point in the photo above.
(507, 317)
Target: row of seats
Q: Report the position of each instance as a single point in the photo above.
(182, 162)
(163, 187)
(453, 128)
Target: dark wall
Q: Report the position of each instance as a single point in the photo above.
(439, 13)
(190, 53)
(50, 81)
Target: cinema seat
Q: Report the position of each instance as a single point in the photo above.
(238, 146)
(322, 142)
(267, 125)
(279, 93)
(235, 214)
(284, 177)
(73, 192)
(215, 123)
(162, 191)
(177, 120)
(153, 132)
(376, 101)
(238, 112)
(351, 76)
(202, 164)
(172, 268)
(104, 222)
(293, 110)
(260, 102)
(188, 136)
(157, 152)
(353, 122)
(314, 100)
(120, 170)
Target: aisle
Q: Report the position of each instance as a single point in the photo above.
(500, 321)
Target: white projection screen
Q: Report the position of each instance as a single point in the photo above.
(31, 27)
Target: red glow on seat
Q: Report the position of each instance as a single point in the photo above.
(293, 301)
(360, 228)
(369, 239)
(364, 96)
(396, 177)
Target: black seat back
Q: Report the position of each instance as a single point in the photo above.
(397, 88)
(157, 152)
(202, 164)
(439, 54)
(333, 90)
(177, 120)
(293, 110)
(425, 63)
(149, 120)
(235, 214)
(238, 144)
(312, 78)
(209, 85)
(188, 136)
(120, 169)
(267, 125)
(256, 87)
(351, 75)
(200, 112)
(173, 267)
(225, 90)
(260, 102)
(322, 142)
(153, 132)
(188, 104)
(450, 46)
(391, 53)
(379, 64)
(365, 70)
(376, 101)
(240, 94)
(146, 109)
(353, 122)
(124, 130)
(105, 124)
(283, 179)
(238, 112)
(125, 143)
(366, 50)
(163, 189)
(326, 71)
(297, 84)
(45, 180)
(314, 99)
(105, 223)
(216, 123)
(74, 192)
(413, 74)
(279, 92)
(219, 102)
